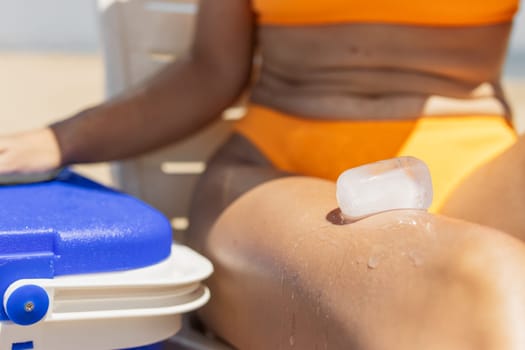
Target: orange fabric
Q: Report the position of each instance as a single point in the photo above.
(451, 146)
(437, 12)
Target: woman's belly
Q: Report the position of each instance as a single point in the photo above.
(381, 71)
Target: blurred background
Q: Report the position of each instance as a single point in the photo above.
(50, 65)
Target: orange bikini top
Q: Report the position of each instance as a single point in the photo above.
(418, 12)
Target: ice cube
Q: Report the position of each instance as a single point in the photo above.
(398, 183)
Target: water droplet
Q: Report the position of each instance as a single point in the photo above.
(407, 220)
(292, 340)
(417, 258)
(282, 282)
(373, 262)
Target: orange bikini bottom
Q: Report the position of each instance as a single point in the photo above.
(452, 146)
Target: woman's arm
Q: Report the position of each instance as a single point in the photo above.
(176, 102)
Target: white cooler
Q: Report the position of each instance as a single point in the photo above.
(85, 267)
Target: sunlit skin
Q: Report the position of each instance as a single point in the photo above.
(403, 277)
(285, 275)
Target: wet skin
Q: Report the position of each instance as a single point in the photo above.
(284, 264)
(285, 276)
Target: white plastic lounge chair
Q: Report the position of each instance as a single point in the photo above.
(139, 37)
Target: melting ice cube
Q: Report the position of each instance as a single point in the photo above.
(398, 183)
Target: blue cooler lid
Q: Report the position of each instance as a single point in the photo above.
(72, 225)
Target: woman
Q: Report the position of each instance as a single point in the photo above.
(340, 85)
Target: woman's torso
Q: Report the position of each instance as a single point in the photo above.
(382, 59)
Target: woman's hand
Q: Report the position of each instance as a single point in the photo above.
(29, 152)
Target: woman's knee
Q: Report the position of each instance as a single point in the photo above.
(407, 273)
(485, 284)
(402, 273)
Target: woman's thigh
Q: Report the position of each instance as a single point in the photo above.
(286, 276)
(236, 168)
(494, 194)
